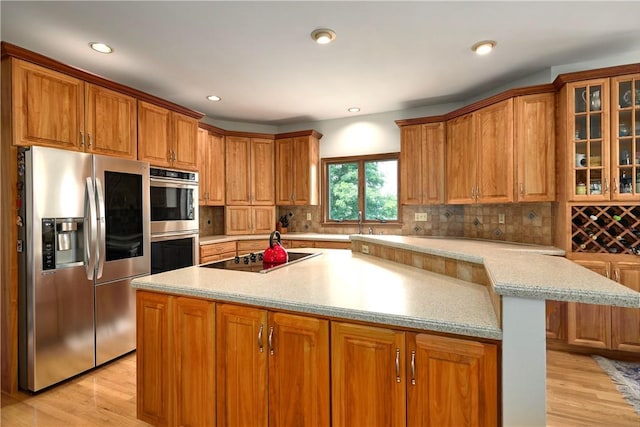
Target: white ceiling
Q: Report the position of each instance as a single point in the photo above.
(259, 56)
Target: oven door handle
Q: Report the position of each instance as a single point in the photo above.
(174, 235)
(172, 184)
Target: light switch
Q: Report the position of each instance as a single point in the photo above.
(421, 216)
(308, 216)
(501, 218)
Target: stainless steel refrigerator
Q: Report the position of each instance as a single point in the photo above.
(84, 234)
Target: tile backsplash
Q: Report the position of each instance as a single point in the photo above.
(523, 222)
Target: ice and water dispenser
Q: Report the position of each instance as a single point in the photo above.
(62, 242)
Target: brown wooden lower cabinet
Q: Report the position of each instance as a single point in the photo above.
(451, 382)
(292, 244)
(384, 377)
(272, 368)
(175, 360)
(605, 327)
(366, 363)
(217, 251)
(202, 363)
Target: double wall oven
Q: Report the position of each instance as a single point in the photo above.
(174, 219)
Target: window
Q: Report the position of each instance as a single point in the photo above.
(367, 184)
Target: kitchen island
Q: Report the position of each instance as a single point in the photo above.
(498, 322)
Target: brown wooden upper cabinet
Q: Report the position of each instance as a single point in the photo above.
(535, 148)
(249, 171)
(480, 156)
(601, 150)
(297, 170)
(56, 110)
(211, 168)
(422, 164)
(167, 138)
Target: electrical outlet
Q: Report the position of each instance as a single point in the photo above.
(365, 249)
(421, 216)
(308, 216)
(500, 218)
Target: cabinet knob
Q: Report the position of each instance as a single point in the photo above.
(89, 138)
(81, 139)
(615, 185)
(521, 188)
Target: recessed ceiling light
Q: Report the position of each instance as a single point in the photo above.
(353, 109)
(214, 98)
(323, 35)
(483, 47)
(101, 47)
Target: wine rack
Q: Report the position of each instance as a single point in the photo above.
(606, 229)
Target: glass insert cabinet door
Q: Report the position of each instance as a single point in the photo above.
(625, 137)
(588, 131)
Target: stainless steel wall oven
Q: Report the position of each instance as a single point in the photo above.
(174, 200)
(174, 219)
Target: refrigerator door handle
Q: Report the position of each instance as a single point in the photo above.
(101, 228)
(90, 234)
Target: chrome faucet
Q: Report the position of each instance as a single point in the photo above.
(360, 222)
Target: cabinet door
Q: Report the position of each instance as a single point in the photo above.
(237, 220)
(411, 165)
(625, 137)
(494, 134)
(216, 170)
(48, 107)
(262, 171)
(588, 155)
(461, 160)
(184, 141)
(203, 166)
(284, 171)
(535, 148)
(237, 165)
(555, 319)
(625, 322)
(263, 219)
(194, 338)
(241, 366)
(589, 324)
(433, 163)
(452, 382)
(367, 377)
(153, 370)
(298, 371)
(306, 159)
(111, 123)
(153, 134)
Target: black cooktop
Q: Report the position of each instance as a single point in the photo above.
(254, 263)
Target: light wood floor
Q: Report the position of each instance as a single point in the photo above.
(578, 394)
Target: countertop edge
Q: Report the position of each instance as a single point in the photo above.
(382, 319)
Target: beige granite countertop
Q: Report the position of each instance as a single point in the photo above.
(287, 236)
(520, 270)
(347, 285)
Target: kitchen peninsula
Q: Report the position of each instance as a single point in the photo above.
(474, 309)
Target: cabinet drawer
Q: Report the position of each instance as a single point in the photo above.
(333, 245)
(245, 246)
(217, 249)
